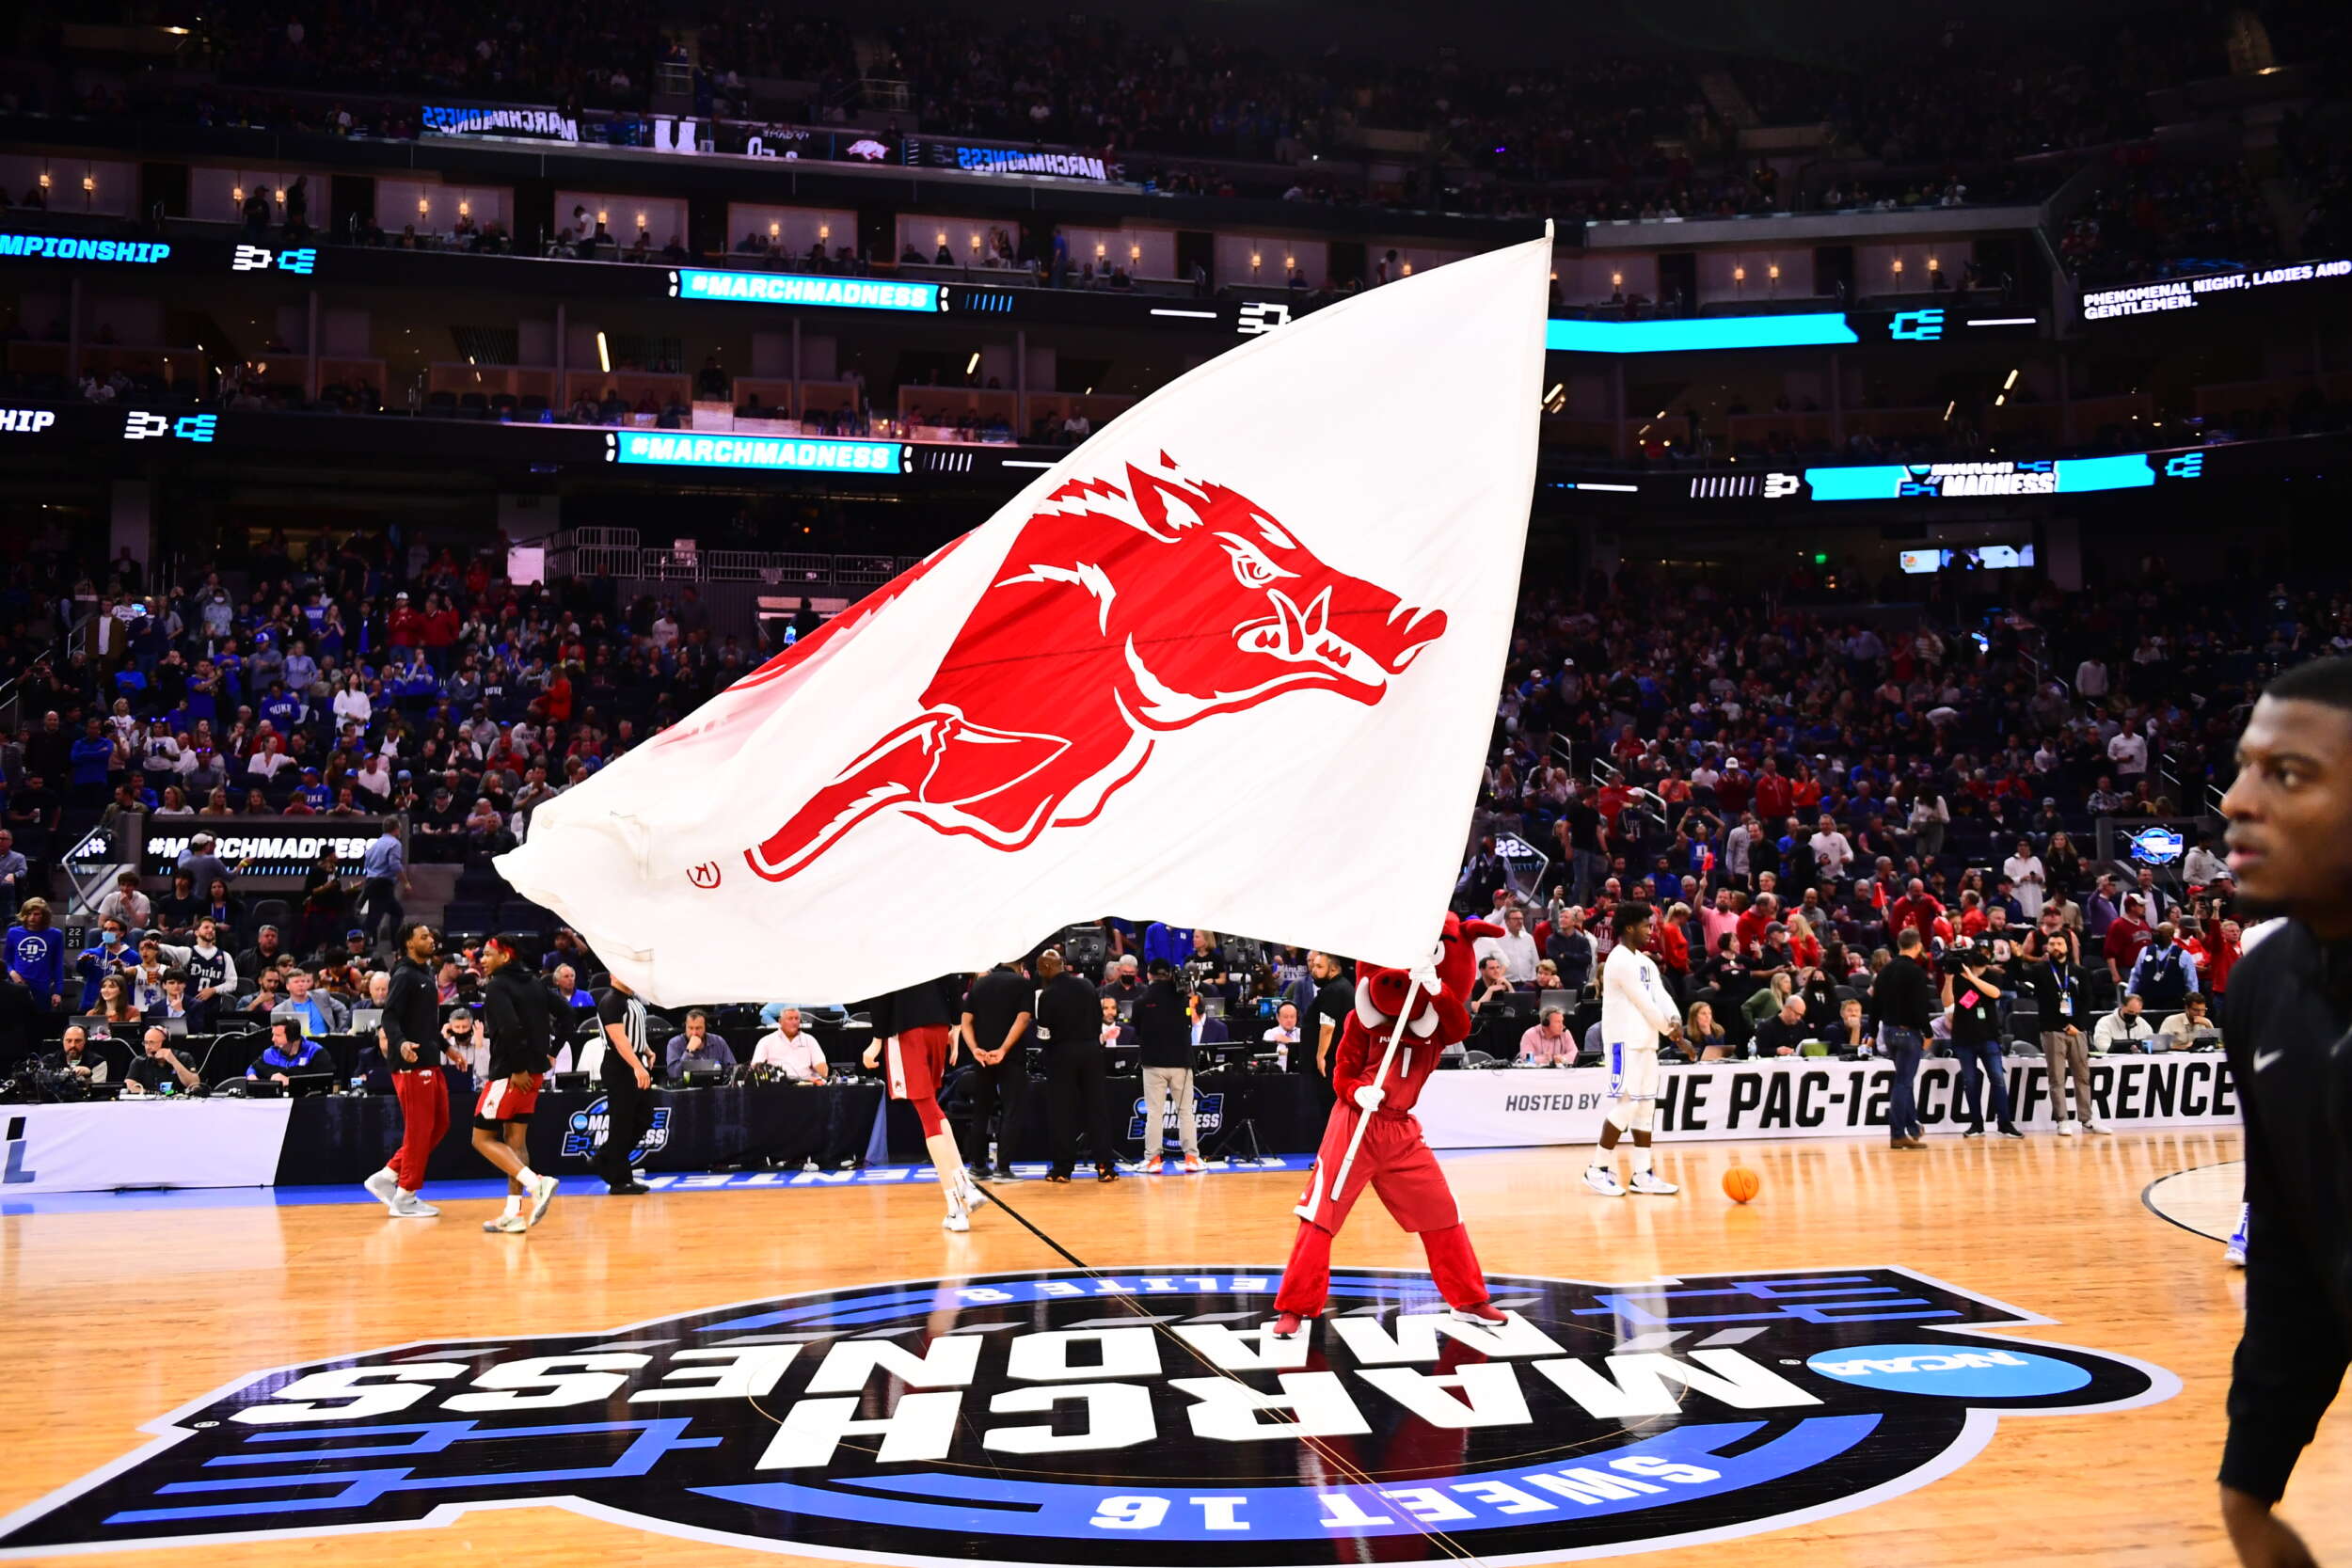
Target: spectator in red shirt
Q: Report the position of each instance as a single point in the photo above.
(1773, 793)
(1971, 914)
(404, 627)
(1611, 801)
(1674, 947)
(559, 699)
(1804, 793)
(1915, 908)
(1754, 921)
(2126, 938)
(2222, 952)
(1734, 788)
(437, 632)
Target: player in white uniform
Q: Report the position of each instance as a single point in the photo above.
(1635, 1010)
(2234, 1251)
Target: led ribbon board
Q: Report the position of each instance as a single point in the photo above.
(1684, 337)
(676, 448)
(63, 247)
(792, 288)
(2192, 294)
(2032, 477)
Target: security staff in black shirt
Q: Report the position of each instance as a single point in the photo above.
(2288, 1013)
(627, 1083)
(996, 1024)
(1162, 1023)
(1068, 1023)
(1321, 1028)
(1902, 999)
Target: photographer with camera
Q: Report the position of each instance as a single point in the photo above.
(1970, 994)
(75, 1059)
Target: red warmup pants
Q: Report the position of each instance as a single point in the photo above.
(424, 1097)
(1397, 1164)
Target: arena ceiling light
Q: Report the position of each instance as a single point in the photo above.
(604, 355)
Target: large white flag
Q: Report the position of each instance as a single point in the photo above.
(1233, 663)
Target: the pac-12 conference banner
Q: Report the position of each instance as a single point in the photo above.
(1804, 1097)
(1132, 1419)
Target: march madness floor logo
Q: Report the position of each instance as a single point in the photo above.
(1134, 1419)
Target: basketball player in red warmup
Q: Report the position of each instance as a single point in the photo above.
(413, 1047)
(915, 1029)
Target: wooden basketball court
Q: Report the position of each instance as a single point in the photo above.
(119, 1318)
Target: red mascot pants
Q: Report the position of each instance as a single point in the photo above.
(1397, 1164)
(424, 1097)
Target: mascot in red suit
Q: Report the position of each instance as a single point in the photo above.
(1393, 1160)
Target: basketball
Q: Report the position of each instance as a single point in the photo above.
(1740, 1184)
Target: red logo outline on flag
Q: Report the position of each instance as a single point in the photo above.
(1120, 612)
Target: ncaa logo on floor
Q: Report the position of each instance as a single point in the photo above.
(1136, 1418)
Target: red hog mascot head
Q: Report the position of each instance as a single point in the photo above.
(1444, 1019)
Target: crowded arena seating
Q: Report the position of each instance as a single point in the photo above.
(335, 681)
(1935, 735)
(1606, 130)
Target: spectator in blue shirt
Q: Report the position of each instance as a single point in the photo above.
(301, 669)
(383, 878)
(697, 1047)
(92, 760)
(37, 955)
(112, 953)
(568, 990)
(1172, 943)
(313, 1011)
(282, 710)
(314, 794)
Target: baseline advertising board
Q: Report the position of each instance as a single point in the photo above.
(1804, 1098)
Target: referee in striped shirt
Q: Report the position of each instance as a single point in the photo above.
(627, 1085)
(2289, 1010)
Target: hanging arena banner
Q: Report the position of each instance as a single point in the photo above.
(1140, 1419)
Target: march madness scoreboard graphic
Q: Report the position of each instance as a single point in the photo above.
(1133, 1419)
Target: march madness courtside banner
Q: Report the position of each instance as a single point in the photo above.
(1270, 604)
(1134, 1419)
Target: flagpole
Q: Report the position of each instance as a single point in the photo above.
(1363, 1117)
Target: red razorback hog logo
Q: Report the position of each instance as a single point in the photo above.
(1119, 613)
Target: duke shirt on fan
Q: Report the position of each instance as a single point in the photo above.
(2284, 1027)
